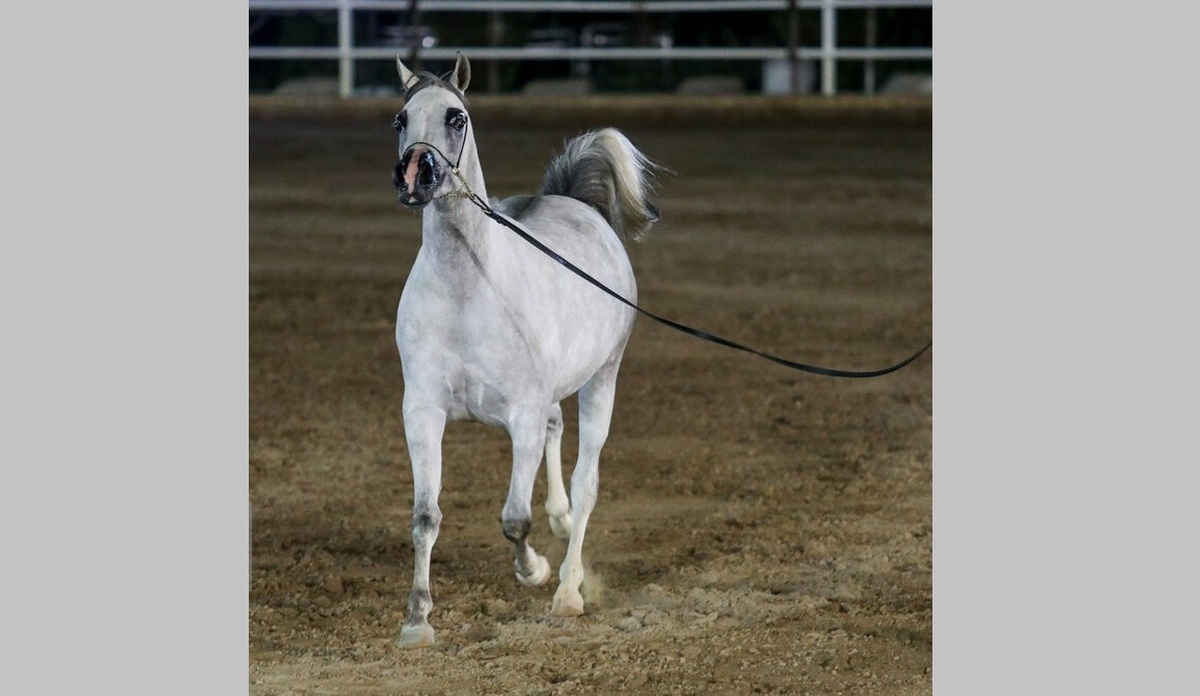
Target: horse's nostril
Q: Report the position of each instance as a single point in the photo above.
(426, 170)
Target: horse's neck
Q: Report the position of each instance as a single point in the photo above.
(454, 230)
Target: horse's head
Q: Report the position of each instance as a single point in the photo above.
(433, 129)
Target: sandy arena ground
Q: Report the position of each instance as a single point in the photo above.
(758, 530)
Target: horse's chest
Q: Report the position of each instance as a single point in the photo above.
(469, 359)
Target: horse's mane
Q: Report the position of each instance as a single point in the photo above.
(428, 79)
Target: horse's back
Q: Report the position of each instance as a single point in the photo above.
(576, 231)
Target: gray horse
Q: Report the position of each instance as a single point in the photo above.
(491, 329)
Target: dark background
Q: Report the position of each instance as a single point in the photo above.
(895, 27)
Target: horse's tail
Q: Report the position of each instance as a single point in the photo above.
(603, 169)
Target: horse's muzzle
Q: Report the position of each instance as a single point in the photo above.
(417, 176)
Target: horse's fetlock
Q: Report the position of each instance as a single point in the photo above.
(419, 604)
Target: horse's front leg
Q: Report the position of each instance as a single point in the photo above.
(528, 438)
(423, 429)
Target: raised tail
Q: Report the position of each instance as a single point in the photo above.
(603, 169)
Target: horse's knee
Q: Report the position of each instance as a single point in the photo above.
(426, 524)
(516, 529)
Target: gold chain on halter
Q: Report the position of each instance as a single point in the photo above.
(465, 192)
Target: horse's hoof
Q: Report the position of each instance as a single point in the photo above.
(561, 526)
(416, 636)
(538, 576)
(567, 604)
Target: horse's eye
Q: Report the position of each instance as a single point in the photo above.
(400, 122)
(456, 119)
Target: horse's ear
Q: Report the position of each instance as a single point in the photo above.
(407, 78)
(461, 75)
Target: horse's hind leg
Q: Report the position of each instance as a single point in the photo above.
(423, 429)
(595, 412)
(528, 438)
(557, 506)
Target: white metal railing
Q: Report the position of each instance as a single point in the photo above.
(828, 53)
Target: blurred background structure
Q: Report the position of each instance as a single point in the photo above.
(348, 48)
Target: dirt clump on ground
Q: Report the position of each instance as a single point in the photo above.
(758, 530)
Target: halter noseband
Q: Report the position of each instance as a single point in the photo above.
(466, 191)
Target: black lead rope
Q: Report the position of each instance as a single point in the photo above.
(703, 335)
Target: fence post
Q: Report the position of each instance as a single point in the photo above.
(495, 33)
(828, 46)
(345, 49)
(869, 64)
(794, 45)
